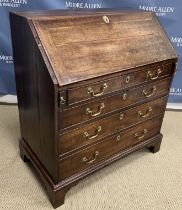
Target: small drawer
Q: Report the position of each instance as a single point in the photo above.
(109, 125)
(104, 87)
(106, 149)
(81, 114)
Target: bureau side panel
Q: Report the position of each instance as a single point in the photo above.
(47, 93)
(19, 66)
(36, 114)
(26, 81)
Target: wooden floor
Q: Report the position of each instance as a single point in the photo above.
(140, 181)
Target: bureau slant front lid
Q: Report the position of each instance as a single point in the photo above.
(82, 46)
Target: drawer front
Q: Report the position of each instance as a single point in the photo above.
(114, 123)
(106, 149)
(74, 116)
(115, 84)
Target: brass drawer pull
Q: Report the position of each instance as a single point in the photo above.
(95, 155)
(140, 136)
(102, 89)
(145, 113)
(94, 114)
(150, 93)
(151, 77)
(98, 130)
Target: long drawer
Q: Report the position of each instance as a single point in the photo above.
(106, 149)
(97, 108)
(104, 87)
(112, 124)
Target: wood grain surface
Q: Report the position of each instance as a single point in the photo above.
(78, 115)
(138, 77)
(108, 148)
(112, 124)
(93, 48)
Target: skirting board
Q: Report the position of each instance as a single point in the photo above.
(9, 99)
(174, 106)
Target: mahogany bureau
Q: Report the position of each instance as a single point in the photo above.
(92, 87)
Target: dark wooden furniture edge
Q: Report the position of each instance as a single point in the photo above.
(57, 192)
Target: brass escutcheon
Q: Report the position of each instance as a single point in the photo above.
(121, 116)
(124, 96)
(118, 138)
(128, 79)
(106, 19)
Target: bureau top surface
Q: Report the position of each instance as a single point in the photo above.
(85, 45)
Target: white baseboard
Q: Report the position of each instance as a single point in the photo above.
(10, 99)
(176, 106)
